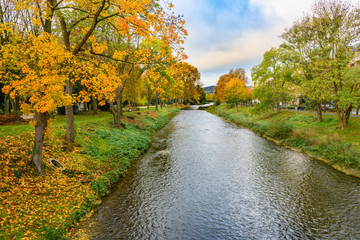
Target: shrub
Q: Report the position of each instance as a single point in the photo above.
(230, 105)
(217, 102)
(101, 186)
(51, 233)
(297, 141)
(303, 118)
(259, 108)
(279, 129)
(292, 107)
(340, 153)
(259, 128)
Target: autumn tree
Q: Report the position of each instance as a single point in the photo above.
(140, 42)
(201, 94)
(190, 77)
(210, 97)
(41, 61)
(54, 63)
(322, 41)
(238, 73)
(80, 20)
(10, 35)
(177, 89)
(237, 92)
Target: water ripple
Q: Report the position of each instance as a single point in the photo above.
(203, 178)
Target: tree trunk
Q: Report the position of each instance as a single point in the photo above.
(69, 112)
(112, 110)
(278, 107)
(15, 105)
(157, 102)
(85, 106)
(237, 108)
(319, 112)
(6, 105)
(148, 98)
(41, 124)
(119, 103)
(117, 115)
(357, 110)
(94, 106)
(344, 116)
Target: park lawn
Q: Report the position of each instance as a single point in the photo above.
(300, 130)
(60, 120)
(47, 206)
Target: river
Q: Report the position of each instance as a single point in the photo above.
(204, 178)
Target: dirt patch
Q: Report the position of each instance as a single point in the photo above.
(9, 120)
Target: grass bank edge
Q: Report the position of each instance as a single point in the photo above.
(107, 153)
(300, 132)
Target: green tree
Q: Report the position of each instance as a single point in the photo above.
(273, 78)
(322, 41)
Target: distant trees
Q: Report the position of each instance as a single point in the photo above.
(237, 73)
(190, 77)
(236, 92)
(231, 87)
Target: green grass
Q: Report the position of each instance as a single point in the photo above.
(13, 130)
(59, 121)
(100, 157)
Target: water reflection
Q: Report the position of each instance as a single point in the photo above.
(206, 179)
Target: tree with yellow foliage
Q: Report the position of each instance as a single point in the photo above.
(41, 60)
(190, 76)
(236, 92)
(238, 73)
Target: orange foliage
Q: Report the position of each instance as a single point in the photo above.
(224, 79)
(236, 91)
(189, 76)
(41, 60)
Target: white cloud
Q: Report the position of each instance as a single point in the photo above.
(221, 39)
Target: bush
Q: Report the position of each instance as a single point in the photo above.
(230, 105)
(217, 102)
(303, 118)
(299, 142)
(259, 108)
(292, 107)
(340, 153)
(279, 129)
(51, 233)
(101, 186)
(259, 128)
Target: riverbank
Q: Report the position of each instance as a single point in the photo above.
(47, 206)
(300, 131)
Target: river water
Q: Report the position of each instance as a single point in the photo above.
(204, 178)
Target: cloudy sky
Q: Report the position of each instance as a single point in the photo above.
(225, 34)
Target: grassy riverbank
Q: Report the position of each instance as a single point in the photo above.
(47, 206)
(301, 131)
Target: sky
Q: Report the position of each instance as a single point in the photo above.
(226, 34)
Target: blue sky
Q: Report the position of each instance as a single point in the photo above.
(235, 33)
